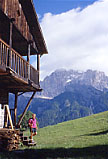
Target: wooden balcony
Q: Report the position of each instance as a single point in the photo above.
(16, 74)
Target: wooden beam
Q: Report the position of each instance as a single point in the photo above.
(21, 93)
(38, 62)
(28, 60)
(3, 74)
(25, 110)
(10, 43)
(9, 115)
(5, 7)
(28, 54)
(38, 66)
(15, 108)
(6, 118)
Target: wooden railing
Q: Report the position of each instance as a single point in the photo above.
(17, 63)
(34, 75)
(4, 52)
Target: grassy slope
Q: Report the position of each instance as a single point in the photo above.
(83, 132)
(82, 137)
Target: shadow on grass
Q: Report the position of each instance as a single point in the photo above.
(99, 133)
(100, 152)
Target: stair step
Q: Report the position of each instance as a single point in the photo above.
(32, 144)
(24, 138)
(21, 134)
(25, 142)
(28, 142)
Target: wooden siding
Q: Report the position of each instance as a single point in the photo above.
(32, 19)
(3, 97)
(13, 9)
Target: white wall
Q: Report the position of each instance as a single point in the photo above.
(1, 117)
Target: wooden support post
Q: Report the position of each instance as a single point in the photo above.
(38, 66)
(0, 53)
(28, 54)
(5, 7)
(15, 108)
(25, 110)
(6, 118)
(28, 59)
(10, 41)
(9, 115)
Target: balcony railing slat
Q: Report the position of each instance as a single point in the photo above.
(2, 55)
(0, 52)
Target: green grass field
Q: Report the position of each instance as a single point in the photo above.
(81, 138)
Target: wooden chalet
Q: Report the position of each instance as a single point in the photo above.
(20, 38)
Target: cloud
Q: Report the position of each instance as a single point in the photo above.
(77, 39)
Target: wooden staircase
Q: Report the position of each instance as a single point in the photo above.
(26, 141)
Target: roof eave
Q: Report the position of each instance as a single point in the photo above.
(35, 29)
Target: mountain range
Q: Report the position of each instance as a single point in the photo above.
(55, 84)
(68, 95)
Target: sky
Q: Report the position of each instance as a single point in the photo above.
(76, 34)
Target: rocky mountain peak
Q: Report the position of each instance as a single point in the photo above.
(55, 84)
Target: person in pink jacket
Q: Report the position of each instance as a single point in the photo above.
(33, 126)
